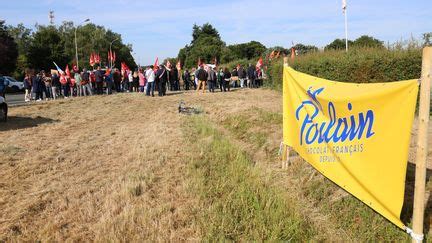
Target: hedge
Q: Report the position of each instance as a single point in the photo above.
(358, 66)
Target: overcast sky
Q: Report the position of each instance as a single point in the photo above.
(161, 28)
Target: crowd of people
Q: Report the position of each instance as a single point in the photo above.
(46, 86)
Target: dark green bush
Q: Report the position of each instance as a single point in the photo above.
(365, 65)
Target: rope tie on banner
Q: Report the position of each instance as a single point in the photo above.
(417, 237)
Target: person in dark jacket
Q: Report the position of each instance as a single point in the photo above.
(162, 79)
(242, 76)
(211, 79)
(55, 85)
(3, 85)
(234, 77)
(202, 78)
(227, 78)
(186, 79)
(221, 80)
(28, 87)
(37, 87)
(117, 80)
(251, 76)
(175, 78)
(99, 76)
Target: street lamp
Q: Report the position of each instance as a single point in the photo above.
(111, 63)
(76, 44)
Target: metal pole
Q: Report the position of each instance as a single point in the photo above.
(111, 61)
(346, 31)
(76, 48)
(76, 44)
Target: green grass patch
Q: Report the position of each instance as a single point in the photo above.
(236, 202)
(243, 126)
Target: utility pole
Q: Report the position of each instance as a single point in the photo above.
(51, 17)
(76, 44)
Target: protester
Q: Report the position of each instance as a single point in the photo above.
(242, 76)
(234, 78)
(117, 80)
(125, 81)
(37, 87)
(175, 77)
(99, 75)
(202, 78)
(150, 76)
(142, 80)
(221, 80)
(64, 85)
(227, 78)
(78, 79)
(186, 79)
(130, 78)
(4, 83)
(47, 85)
(108, 81)
(162, 79)
(55, 85)
(251, 76)
(27, 87)
(211, 79)
(72, 85)
(85, 83)
(135, 82)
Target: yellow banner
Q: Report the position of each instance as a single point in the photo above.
(357, 135)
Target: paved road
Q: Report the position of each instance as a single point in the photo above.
(15, 99)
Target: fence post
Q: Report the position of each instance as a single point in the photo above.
(422, 143)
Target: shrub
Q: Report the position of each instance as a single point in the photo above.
(359, 65)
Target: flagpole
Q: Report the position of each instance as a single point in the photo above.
(346, 30)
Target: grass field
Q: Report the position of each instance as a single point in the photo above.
(131, 168)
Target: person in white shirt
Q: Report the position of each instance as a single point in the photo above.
(150, 76)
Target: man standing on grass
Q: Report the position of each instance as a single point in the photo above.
(251, 76)
(85, 83)
(150, 76)
(211, 79)
(78, 80)
(241, 75)
(99, 75)
(202, 78)
(162, 77)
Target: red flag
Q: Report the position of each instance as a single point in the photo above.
(92, 61)
(114, 57)
(259, 63)
(124, 66)
(67, 70)
(97, 58)
(156, 65)
(292, 53)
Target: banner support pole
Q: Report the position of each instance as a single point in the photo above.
(285, 148)
(422, 144)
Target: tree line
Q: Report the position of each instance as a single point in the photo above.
(207, 46)
(22, 48)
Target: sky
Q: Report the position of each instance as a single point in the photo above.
(161, 28)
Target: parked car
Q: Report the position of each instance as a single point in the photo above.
(14, 85)
(3, 109)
